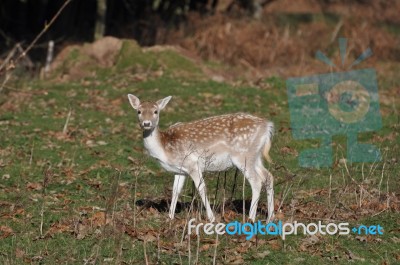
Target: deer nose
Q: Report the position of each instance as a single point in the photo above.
(146, 123)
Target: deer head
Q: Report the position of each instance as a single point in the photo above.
(148, 112)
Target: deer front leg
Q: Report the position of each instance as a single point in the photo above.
(201, 188)
(176, 191)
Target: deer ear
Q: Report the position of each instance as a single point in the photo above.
(135, 102)
(163, 102)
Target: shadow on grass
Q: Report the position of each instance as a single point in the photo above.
(163, 206)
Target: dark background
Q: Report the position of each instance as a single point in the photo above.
(22, 20)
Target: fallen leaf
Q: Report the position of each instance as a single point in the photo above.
(208, 240)
(262, 255)
(58, 228)
(19, 253)
(308, 241)
(242, 249)
(81, 231)
(395, 240)
(361, 238)
(279, 216)
(289, 150)
(99, 219)
(37, 258)
(101, 143)
(235, 260)
(352, 256)
(274, 243)
(90, 143)
(5, 231)
(205, 247)
(131, 232)
(147, 237)
(34, 186)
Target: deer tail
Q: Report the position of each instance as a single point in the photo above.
(267, 145)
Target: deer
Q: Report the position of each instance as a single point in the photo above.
(212, 144)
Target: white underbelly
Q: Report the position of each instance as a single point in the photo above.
(214, 162)
(218, 162)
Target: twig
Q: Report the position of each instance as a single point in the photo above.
(330, 189)
(8, 76)
(30, 46)
(9, 56)
(323, 219)
(134, 200)
(378, 213)
(145, 253)
(41, 219)
(66, 122)
(372, 168)
(223, 198)
(362, 183)
(243, 197)
(31, 156)
(158, 248)
(380, 182)
(6, 37)
(186, 220)
(46, 27)
(189, 250)
(111, 202)
(336, 30)
(387, 192)
(197, 250)
(46, 176)
(215, 251)
(354, 181)
(285, 193)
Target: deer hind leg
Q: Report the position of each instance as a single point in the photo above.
(256, 185)
(179, 181)
(268, 180)
(255, 180)
(198, 180)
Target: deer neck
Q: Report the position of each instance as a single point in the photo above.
(153, 144)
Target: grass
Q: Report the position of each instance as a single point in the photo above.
(71, 198)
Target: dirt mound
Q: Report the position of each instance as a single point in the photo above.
(120, 55)
(104, 51)
(78, 61)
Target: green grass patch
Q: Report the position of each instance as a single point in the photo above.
(73, 166)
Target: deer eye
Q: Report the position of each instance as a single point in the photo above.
(139, 112)
(156, 112)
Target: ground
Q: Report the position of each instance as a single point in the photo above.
(77, 187)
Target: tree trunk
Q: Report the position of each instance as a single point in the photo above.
(100, 19)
